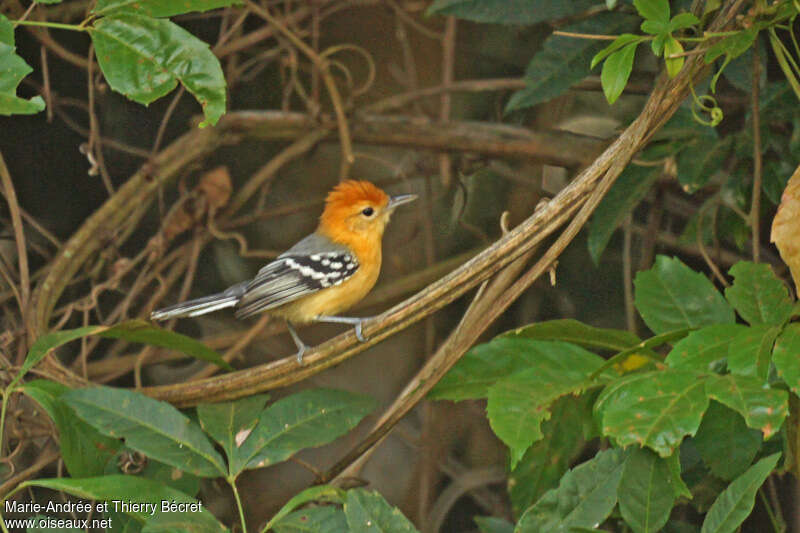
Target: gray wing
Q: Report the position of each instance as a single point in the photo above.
(312, 264)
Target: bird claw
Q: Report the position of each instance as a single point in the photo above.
(300, 352)
(359, 335)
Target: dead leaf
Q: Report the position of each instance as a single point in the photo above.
(786, 227)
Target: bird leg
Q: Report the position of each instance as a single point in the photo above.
(353, 321)
(301, 346)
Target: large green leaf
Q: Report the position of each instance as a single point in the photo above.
(152, 427)
(704, 347)
(786, 356)
(544, 463)
(159, 8)
(576, 332)
(736, 502)
(762, 407)
(626, 193)
(322, 519)
(519, 403)
(750, 351)
(484, 364)
(144, 58)
(304, 420)
(654, 10)
(758, 295)
(229, 423)
(85, 451)
(645, 491)
(119, 490)
(671, 296)
(654, 409)
(368, 512)
(725, 443)
(510, 11)
(131, 330)
(14, 69)
(584, 498)
(564, 61)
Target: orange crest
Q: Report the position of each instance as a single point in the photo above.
(351, 192)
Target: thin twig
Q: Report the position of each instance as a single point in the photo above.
(19, 239)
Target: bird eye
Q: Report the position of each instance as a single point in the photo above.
(367, 211)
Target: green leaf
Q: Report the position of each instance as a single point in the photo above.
(736, 502)
(784, 355)
(758, 295)
(682, 21)
(307, 419)
(544, 463)
(763, 408)
(322, 519)
(519, 403)
(230, 423)
(704, 347)
(700, 160)
(673, 47)
(654, 409)
(131, 330)
(645, 491)
(144, 58)
(679, 488)
(585, 497)
(85, 451)
(492, 524)
(750, 351)
(655, 10)
(725, 443)
(130, 489)
(509, 11)
(6, 31)
(624, 195)
(576, 332)
(564, 61)
(368, 512)
(159, 8)
(616, 71)
(14, 69)
(671, 296)
(326, 493)
(732, 46)
(152, 427)
(156, 471)
(621, 41)
(484, 364)
(181, 523)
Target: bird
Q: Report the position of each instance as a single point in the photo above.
(323, 274)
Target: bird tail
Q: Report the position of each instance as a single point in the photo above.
(201, 306)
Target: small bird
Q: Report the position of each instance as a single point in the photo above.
(323, 274)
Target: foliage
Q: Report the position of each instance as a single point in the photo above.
(92, 421)
(647, 414)
(142, 56)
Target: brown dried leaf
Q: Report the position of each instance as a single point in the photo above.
(786, 227)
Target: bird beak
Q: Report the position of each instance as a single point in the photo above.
(401, 199)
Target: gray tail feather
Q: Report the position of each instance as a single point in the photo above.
(201, 306)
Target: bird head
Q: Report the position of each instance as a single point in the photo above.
(359, 209)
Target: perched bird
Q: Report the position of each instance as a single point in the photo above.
(323, 274)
